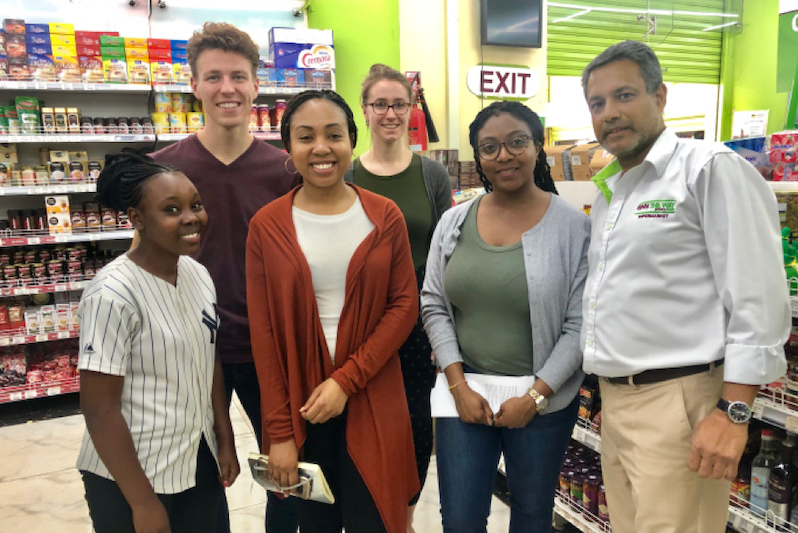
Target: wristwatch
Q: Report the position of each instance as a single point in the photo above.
(540, 400)
(738, 412)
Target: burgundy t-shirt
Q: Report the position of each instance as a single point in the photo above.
(232, 194)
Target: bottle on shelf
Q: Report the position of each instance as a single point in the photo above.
(760, 473)
(781, 485)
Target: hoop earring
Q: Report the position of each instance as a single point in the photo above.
(286, 166)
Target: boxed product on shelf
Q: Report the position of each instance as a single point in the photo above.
(3, 68)
(138, 71)
(112, 52)
(159, 54)
(178, 44)
(110, 40)
(42, 39)
(60, 28)
(290, 77)
(28, 112)
(318, 79)
(301, 48)
(161, 72)
(267, 75)
(37, 29)
(14, 26)
(559, 161)
(181, 72)
(39, 49)
(162, 44)
(137, 53)
(92, 69)
(58, 219)
(134, 42)
(580, 160)
(70, 51)
(115, 70)
(88, 38)
(18, 69)
(67, 69)
(16, 46)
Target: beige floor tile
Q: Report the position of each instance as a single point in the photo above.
(248, 519)
(40, 447)
(245, 492)
(43, 504)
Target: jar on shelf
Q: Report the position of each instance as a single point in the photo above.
(28, 177)
(590, 493)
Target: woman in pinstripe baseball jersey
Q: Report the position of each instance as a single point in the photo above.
(159, 445)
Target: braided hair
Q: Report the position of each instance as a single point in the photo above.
(325, 94)
(121, 182)
(542, 173)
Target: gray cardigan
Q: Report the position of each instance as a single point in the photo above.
(555, 257)
(436, 180)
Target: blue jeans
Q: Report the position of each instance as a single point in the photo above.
(468, 455)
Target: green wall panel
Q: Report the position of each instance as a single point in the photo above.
(686, 52)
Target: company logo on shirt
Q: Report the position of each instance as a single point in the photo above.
(656, 209)
(211, 322)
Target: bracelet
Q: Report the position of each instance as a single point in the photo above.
(451, 388)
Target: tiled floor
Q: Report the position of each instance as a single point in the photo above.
(41, 492)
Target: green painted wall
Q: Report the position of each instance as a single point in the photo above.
(364, 32)
(750, 68)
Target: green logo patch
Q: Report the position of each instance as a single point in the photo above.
(656, 209)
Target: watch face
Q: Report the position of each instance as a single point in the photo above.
(739, 412)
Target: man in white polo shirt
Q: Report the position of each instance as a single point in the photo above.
(685, 307)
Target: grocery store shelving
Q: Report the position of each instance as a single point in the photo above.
(171, 88)
(45, 288)
(73, 87)
(15, 340)
(273, 135)
(578, 516)
(38, 390)
(47, 189)
(276, 91)
(79, 138)
(587, 433)
(9, 241)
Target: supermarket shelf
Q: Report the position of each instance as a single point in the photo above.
(74, 87)
(584, 522)
(745, 521)
(587, 435)
(47, 189)
(171, 88)
(43, 289)
(38, 390)
(78, 138)
(773, 407)
(788, 186)
(273, 135)
(44, 337)
(67, 237)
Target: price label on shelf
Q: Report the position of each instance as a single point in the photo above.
(36, 85)
(30, 394)
(60, 288)
(758, 410)
(30, 191)
(34, 240)
(5, 341)
(18, 340)
(32, 290)
(63, 334)
(59, 189)
(579, 435)
(53, 391)
(791, 423)
(88, 87)
(41, 338)
(15, 396)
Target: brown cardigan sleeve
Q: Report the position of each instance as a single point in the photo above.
(269, 363)
(401, 311)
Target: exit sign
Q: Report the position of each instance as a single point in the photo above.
(503, 82)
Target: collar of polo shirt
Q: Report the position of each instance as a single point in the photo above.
(660, 155)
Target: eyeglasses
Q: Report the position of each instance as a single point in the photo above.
(381, 108)
(514, 146)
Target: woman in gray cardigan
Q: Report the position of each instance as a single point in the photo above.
(502, 296)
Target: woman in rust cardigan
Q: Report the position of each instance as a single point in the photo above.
(332, 295)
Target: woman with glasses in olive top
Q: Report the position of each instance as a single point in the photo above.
(421, 189)
(502, 296)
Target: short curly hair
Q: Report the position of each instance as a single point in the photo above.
(225, 37)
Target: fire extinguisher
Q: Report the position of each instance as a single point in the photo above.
(417, 130)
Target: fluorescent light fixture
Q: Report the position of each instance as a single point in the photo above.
(649, 11)
(571, 16)
(719, 26)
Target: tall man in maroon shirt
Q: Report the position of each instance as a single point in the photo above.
(235, 175)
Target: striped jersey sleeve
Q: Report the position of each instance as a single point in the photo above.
(106, 327)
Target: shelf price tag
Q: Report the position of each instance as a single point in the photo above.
(41, 338)
(34, 240)
(579, 435)
(53, 391)
(60, 288)
(63, 334)
(31, 394)
(88, 87)
(15, 396)
(758, 410)
(18, 340)
(5, 341)
(791, 423)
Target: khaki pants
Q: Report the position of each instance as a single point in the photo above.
(646, 439)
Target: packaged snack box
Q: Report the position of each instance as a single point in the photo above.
(134, 42)
(58, 214)
(137, 53)
(89, 51)
(178, 45)
(37, 28)
(267, 77)
(138, 71)
(62, 40)
(318, 79)
(60, 28)
(179, 55)
(159, 43)
(38, 38)
(109, 40)
(16, 47)
(161, 72)
(65, 51)
(14, 26)
(67, 69)
(182, 73)
(290, 77)
(39, 50)
(156, 54)
(18, 70)
(87, 38)
(112, 52)
(92, 68)
(115, 70)
(42, 67)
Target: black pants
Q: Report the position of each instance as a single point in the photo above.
(354, 508)
(191, 511)
(418, 373)
(281, 515)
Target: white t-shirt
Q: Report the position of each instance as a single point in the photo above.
(162, 339)
(329, 242)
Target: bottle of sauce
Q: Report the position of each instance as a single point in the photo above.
(760, 473)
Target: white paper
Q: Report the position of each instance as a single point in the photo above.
(495, 389)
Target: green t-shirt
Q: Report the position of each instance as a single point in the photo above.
(408, 191)
(490, 297)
